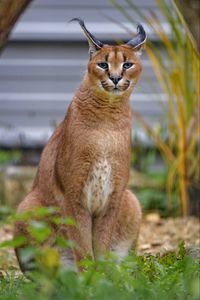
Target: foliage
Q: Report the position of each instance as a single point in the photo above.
(172, 276)
(9, 156)
(148, 182)
(177, 70)
(5, 211)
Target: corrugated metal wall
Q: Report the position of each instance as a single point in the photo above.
(45, 60)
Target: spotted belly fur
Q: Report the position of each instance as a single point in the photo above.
(98, 187)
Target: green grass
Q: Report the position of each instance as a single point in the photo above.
(173, 276)
(9, 156)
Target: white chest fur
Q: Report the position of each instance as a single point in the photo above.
(98, 186)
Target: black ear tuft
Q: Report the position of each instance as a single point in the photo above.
(138, 41)
(94, 44)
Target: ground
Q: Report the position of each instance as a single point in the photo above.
(163, 235)
(157, 235)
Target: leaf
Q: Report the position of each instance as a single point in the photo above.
(49, 258)
(39, 230)
(14, 243)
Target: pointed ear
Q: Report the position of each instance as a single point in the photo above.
(137, 43)
(94, 44)
(139, 49)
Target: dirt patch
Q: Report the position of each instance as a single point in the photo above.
(162, 235)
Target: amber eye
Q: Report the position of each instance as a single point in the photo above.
(127, 65)
(103, 65)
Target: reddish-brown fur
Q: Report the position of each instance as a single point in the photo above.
(95, 135)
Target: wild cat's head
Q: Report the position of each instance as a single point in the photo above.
(114, 70)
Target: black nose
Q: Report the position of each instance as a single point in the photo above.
(115, 79)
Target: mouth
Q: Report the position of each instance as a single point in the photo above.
(115, 89)
(121, 89)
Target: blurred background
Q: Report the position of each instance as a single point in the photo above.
(43, 58)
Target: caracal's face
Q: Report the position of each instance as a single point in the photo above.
(114, 70)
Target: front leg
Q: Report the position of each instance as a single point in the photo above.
(71, 186)
(81, 233)
(103, 225)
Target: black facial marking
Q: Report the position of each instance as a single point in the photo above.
(124, 57)
(115, 50)
(104, 84)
